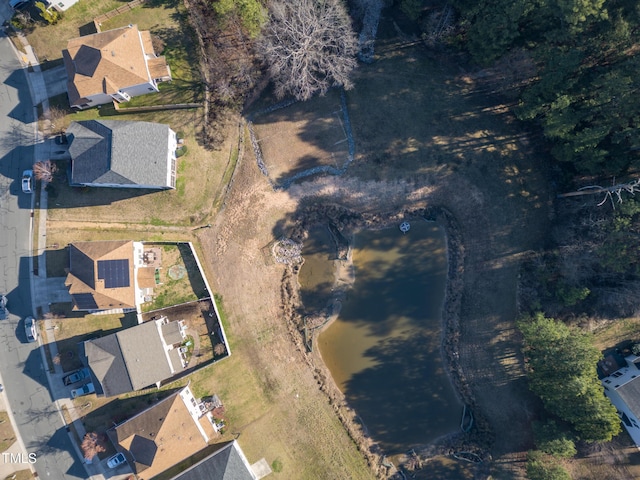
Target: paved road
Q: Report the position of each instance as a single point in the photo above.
(21, 365)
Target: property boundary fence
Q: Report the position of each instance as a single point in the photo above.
(154, 108)
(113, 13)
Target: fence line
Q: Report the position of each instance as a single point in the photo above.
(113, 13)
(154, 108)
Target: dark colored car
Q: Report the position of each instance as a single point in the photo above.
(76, 376)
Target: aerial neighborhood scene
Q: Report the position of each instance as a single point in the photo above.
(320, 239)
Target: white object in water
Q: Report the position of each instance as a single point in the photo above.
(404, 227)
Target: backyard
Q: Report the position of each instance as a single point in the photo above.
(302, 136)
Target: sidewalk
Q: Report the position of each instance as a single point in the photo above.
(17, 449)
(49, 288)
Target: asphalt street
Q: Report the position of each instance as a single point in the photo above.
(21, 366)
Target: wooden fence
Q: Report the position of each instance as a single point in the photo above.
(113, 13)
(153, 108)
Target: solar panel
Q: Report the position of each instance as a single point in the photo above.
(115, 273)
(84, 301)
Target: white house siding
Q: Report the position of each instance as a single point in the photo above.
(171, 159)
(62, 5)
(628, 377)
(142, 89)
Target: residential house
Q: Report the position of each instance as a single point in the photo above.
(122, 154)
(62, 5)
(109, 275)
(115, 65)
(622, 387)
(136, 358)
(226, 463)
(162, 435)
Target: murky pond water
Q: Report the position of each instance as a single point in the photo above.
(384, 349)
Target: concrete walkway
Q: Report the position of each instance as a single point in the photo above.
(12, 459)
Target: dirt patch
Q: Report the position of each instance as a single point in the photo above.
(302, 136)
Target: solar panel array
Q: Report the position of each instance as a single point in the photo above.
(85, 301)
(115, 273)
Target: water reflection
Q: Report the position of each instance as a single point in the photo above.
(384, 350)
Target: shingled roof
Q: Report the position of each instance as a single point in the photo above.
(160, 436)
(227, 463)
(109, 61)
(128, 360)
(87, 289)
(122, 153)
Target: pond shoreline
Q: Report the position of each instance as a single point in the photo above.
(342, 224)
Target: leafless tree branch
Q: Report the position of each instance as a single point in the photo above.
(309, 46)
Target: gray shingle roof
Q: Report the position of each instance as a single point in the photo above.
(630, 393)
(224, 464)
(171, 333)
(128, 360)
(119, 152)
(105, 359)
(143, 355)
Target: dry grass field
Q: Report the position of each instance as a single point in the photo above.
(302, 136)
(7, 437)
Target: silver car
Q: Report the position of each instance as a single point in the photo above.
(27, 180)
(3, 307)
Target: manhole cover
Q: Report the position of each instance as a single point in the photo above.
(176, 272)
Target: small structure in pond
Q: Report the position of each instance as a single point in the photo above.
(404, 227)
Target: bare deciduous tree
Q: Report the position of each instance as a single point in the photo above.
(309, 46)
(91, 445)
(44, 170)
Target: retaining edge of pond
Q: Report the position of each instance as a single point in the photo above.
(480, 437)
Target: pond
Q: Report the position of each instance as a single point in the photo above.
(384, 350)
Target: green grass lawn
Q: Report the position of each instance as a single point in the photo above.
(48, 41)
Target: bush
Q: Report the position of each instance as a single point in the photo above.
(545, 467)
(181, 151)
(553, 439)
(51, 16)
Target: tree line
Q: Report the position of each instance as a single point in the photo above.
(585, 95)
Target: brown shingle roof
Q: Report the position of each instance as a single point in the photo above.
(107, 62)
(86, 288)
(159, 437)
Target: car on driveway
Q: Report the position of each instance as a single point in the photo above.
(27, 181)
(117, 460)
(3, 307)
(30, 329)
(83, 390)
(76, 376)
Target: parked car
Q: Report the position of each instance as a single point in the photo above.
(27, 180)
(115, 461)
(30, 329)
(19, 4)
(76, 376)
(83, 390)
(3, 307)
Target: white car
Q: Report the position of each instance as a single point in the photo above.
(30, 329)
(27, 181)
(115, 461)
(83, 390)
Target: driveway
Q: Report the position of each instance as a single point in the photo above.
(56, 80)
